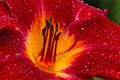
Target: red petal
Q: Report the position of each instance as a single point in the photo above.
(11, 43)
(87, 11)
(97, 31)
(4, 10)
(100, 63)
(6, 22)
(24, 11)
(20, 68)
(102, 40)
(63, 11)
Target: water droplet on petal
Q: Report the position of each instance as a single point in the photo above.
(64, 24)
(7, 56)
(30, 10)
(17, 54)
(82, 28)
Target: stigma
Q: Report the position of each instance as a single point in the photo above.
(50, 34)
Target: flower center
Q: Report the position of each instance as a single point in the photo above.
(45, 46)
(51, 36)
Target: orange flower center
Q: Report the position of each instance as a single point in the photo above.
(50, 40)
(51, 48)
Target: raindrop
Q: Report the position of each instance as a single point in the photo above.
(31, 72)
(88, 52)
(85, 66)
(4, 16)
(82, 28)
(88, 63)
(111, 71)
(17, 54)
(87, 70)
(30, 10)
(56, 6)
(106, 71)
(15, 65)
(91, 55)
(102, 54)
(89, 14)
(11, 7)
(110, 56)
(118, 52)
(82, 71)
(118, 72)
(17, 39)
(97, 35)
(105, 44)
(11, 72)
(117, 76)
(92, 63)
(73, 5)
(64, 24)
(80, 0)
(17, 28)
(72, 1)
(8, 68)
(59, 1)
(7, 56)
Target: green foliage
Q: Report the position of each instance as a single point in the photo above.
(113, 7)
(96, 78)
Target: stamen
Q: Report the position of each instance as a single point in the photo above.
(44, 31)
(50, 40)
(47, 24)
(57, 36)
(56, 26)
(50, 19)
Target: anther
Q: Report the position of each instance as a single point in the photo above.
(57, 36)
(44, 31)
(50, 40)
(51, 19)
(56, 26)
(52, 29)
(47, 23)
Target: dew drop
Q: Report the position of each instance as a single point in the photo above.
(102, 54)
(85, 66)
(97, 35)
(118, 72)
(17, 54)
(8, 68)
(30, 10)
(56, 6)
(82, 28)
(7, 56)
(11, 72)
(105, 44)
(64, 24)
(80, 1)
(73, 5)
(15, 65)
(4, 16)
(82, 71)
(89, 14)
(118, 52)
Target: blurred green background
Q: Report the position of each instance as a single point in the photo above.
(113, 7)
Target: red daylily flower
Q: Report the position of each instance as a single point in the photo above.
(57, 40)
